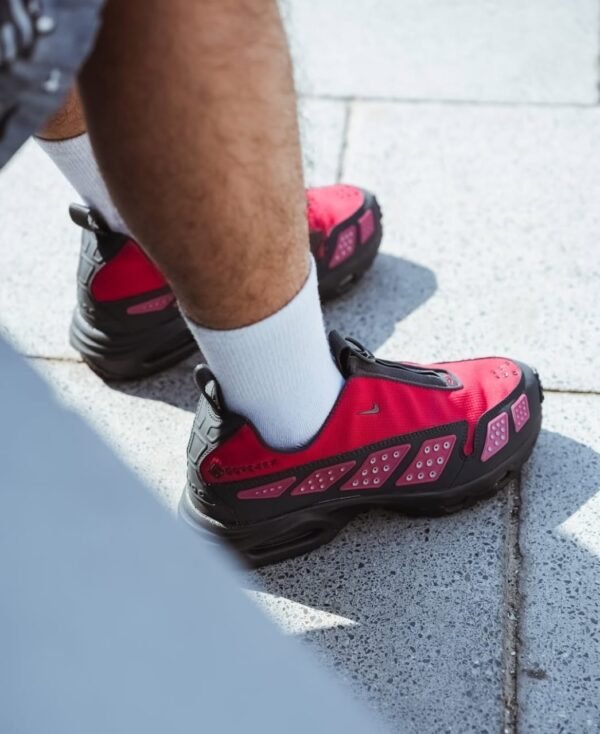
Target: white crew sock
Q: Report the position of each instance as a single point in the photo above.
(77, 162)
(279, 372)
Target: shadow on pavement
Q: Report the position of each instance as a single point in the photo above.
(389, 292)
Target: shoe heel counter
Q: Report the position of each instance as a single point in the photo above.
(90, 261)
(92, 258)
(199, 447)
(209, 429)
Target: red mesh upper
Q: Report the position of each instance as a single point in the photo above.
(129, 273)
(402, 409)
(328, 206)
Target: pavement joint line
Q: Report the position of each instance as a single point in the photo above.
(45, 358)
(511, 608)
(408, 101)
(183, 368)
(570, 391)
(344, 146)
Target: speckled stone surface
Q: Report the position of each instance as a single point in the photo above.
(38, 255)
(485, 50)
(420, 601)
(322, 129)
(559, 672)
(502, 205)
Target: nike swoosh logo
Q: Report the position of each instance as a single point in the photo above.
(372, 411)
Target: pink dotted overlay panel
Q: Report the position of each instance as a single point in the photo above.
(366, 226)
(321, 479)
(429, 464)
(497, 436)
(377, 468)
(345, 246)
(520, 412)
(267, 491)
(154, 304)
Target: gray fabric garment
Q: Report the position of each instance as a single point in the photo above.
(114, 617)
(33, 86)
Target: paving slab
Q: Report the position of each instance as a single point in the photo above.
(501, 205)
(541, 51)
(408, 611)
(38, 255)
(39, 245)
(559, 675)
(322, 128)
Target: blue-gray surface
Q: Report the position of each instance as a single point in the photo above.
(477, 122)
(114, 617)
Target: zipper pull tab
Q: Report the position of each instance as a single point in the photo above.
(361, 351)
(209, 387)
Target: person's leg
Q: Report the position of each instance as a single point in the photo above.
(67, 122)
(228, 60)
(206, 169)
(125, 324)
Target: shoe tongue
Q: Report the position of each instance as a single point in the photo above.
(353, 359)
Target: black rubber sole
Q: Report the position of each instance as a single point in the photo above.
(299, 532)
(337, 281)
(131, 356)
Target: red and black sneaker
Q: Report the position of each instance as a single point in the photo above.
(127, 325)
(345, 233)
(420, 439)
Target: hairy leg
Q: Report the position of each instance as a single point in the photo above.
(223, 214)
(67, 122)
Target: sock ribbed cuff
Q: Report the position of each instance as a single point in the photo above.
(76, 160)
